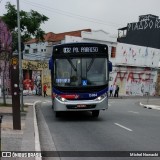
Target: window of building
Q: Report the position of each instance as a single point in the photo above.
(113, 52)
(41, 50)
(44, 50)
(34, 50)
(26, 50)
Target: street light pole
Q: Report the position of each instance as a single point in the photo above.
(20, 58)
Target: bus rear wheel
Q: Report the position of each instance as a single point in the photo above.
(95, 113)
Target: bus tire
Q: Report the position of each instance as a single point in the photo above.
(95, 113)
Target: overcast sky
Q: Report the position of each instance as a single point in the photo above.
(70, 15)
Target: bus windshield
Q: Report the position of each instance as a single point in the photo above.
(80, 72)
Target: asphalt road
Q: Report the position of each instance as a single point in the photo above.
(125, 126)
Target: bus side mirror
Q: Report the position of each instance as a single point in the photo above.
(51, 64)
(110, 66)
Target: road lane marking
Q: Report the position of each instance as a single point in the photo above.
(123, 127)
(133, 112)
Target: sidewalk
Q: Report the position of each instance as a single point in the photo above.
(10, 139)
(19, 140)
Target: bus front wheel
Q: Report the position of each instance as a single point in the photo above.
(95, 113)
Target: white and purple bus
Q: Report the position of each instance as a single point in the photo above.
(80, 77)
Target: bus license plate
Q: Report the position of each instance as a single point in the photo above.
(81, 105)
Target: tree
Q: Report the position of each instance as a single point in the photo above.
(30, 28)
(5, 53)
(30, 24)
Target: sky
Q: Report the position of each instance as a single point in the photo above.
(72, 15)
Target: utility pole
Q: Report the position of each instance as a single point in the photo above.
(0, 132)
(20, 58)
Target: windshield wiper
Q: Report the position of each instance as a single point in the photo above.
(72, 65)
(90, 65)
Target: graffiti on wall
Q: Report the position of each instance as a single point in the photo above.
(145, 24)
(137, 55)
(34, 65)
(47, 78)
(36, 74)
(135, 81)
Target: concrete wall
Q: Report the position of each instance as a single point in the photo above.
(137, 55)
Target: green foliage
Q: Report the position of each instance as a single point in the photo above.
(29, 24)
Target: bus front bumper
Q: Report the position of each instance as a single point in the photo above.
(80, 105)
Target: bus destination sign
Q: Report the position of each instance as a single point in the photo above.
(80, 50)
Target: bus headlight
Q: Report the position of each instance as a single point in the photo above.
(101, 97)
(61, 99)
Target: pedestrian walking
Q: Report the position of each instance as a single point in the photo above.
(45, 90)
(116, 94)
(111, 90)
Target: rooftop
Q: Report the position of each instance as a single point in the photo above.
(54, 37)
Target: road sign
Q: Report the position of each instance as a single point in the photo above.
(84, 82)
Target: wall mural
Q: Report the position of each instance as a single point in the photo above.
(34, 65)
(35, 75)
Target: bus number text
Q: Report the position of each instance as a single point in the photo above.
(93, 95)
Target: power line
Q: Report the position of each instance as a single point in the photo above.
(69, 14)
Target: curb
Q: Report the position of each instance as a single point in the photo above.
(46, 139)
(30, 139)
(150, 106)
(36, 131)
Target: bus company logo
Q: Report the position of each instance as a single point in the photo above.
(6, 154)
(76, 96)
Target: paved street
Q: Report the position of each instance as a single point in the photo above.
(126, 126)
